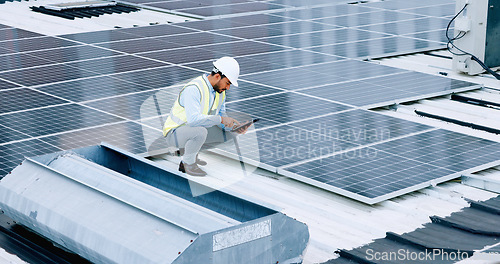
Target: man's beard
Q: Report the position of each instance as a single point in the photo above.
(217, 88)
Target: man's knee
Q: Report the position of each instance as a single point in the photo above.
(201, 133)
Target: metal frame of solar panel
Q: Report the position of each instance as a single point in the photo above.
(392, 168)
(85, 83)
(364, 155)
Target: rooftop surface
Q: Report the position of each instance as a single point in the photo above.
(52, 65)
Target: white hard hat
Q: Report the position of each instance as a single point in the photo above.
(230, 68)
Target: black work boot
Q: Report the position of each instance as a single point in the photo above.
(192, 169)
(200, 162)
(181, 167)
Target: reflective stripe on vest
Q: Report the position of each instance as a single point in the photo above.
(177, 116)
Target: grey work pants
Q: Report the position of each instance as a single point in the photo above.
(193, 138)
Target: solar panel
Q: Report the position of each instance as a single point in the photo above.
(434, 35)
(290, 58)
(138, 105)
(241, 48)
(139, 45)
(141, 1)
(127, 33)
(369, 18)
(115, 64)
(301, 3)
(16, 33)
(403, 4)
(135, 73)
(312, 139)
(277, 29)
(217, 2)
(7, 85)
(125, 135)
(14, 153)
(212, 24)
(324, 11)
(444, 10)
(197, 39)
(351, 69)
(259, 19)
(80, 69)
(250, 32)
(30, 99)
(366, 175)
(329, 37)
(420, 83)
(45, 74)
(220, 10)
(75, 53)
(281, 145)
(100, 36)
(157, 30)
(9, 135)
(5, 51)
(209, 52)
(182, 55)
(408, 26)
(445, 149)
(376, 48)
(32, 44)
(358, 93)
(386, 170)
(92, 88)
(248, 90)
(320, 74)
(20, 60)
(285, 107)
(287, 79)
(270, 61)
(390, 89)
(360, 127)
(56, 119)
(247, 65)
(172, 5)
(156, 78)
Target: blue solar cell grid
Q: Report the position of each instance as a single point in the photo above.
(385, 170)
(300, 67)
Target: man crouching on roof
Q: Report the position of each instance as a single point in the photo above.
(198, 115)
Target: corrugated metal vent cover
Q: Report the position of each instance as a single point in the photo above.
(5, 1)
(85, 4)
(84, 9)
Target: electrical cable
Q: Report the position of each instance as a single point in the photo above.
(459, 36)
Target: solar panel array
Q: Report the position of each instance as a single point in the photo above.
(385, 170)
(300, 75)
(204, 8)
(364, 155)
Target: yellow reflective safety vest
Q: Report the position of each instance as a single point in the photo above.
(177, 116)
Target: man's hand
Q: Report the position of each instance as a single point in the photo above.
(242, 130)
(229, 122)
